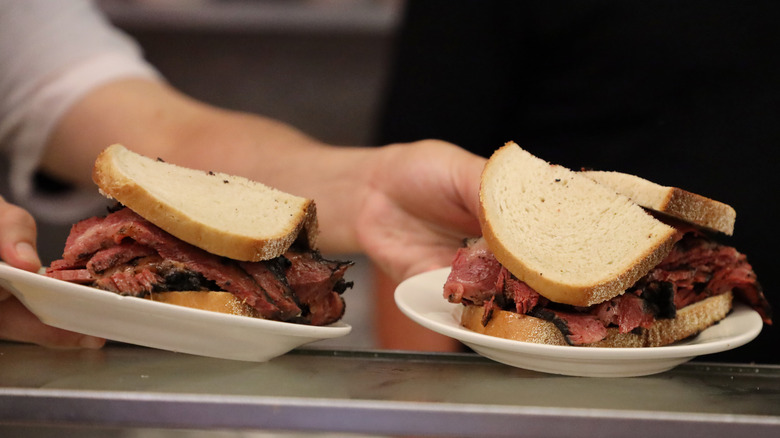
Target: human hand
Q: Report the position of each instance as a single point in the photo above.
(422, 201)
(17, 323)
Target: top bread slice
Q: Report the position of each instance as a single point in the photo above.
(226, 215)
(573, 240)
(672, 201)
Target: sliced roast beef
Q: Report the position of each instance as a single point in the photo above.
(117, 255)
(475, 274)
(524, 297)
(81, 276)
(318, 283)
(125, 253)
(698, 268)
(91, 235)
(627, 312)
(577, 328)
(477, 278)
(659, 297)
(134, 279)
(271, 279)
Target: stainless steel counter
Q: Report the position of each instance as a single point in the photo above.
(385, 393)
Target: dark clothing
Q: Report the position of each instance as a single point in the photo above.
(681, 93)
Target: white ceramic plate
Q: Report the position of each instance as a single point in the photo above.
(149, 323)
(421, 298)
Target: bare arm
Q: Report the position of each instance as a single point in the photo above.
(158, 121)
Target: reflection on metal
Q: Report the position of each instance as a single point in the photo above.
(377, 392)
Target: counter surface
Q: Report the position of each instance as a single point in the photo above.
(392, 393)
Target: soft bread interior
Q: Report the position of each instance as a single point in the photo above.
(223, 214)
(689, 321)
(571, 239)
(678, 203)
(223, 302)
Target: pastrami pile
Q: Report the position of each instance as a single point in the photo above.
(124, 253)
(695, 269)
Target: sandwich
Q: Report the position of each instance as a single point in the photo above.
(592, 258)
(205, 240)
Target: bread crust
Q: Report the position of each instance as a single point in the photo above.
(675, 202)
(689, 321)
(222, 302)
(115, 173)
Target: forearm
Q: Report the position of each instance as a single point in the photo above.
(155, 120)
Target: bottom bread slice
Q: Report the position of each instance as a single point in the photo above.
(690, 320)
(223, 302)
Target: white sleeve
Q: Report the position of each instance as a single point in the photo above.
(53, 53)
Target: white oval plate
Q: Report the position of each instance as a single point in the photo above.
(421, 298)
(137, 321)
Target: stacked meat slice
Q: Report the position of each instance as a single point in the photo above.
(696, 268)
(124, 253)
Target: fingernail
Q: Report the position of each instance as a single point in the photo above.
(26, 252)
(91, 342)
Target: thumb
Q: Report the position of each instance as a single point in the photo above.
(18, 237)
(17, 248)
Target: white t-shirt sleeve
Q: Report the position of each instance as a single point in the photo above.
(53, 52)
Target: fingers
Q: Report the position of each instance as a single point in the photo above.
(17, 237)
(468, 175)
(17, 323)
